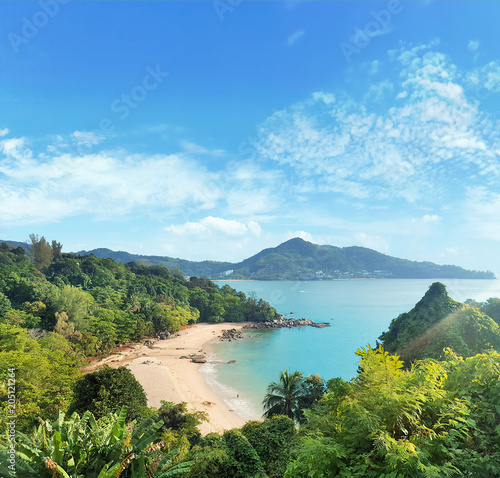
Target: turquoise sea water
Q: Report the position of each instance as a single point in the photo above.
(358, 310)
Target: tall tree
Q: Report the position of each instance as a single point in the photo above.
(41, 252)
(56, 249)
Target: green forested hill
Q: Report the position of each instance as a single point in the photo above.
(297, 259)
(190, 268)
(437, 322)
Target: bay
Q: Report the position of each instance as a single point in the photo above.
(358, 311)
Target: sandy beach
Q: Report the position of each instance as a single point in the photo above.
(166, 376)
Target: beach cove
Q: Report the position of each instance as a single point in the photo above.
(359, 311)
(164, 375)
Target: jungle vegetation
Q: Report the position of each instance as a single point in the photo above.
(430, 410)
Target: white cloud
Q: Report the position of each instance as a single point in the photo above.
(377, 91)
(302, 234)
(221, 239)
(15, 148)
(473, 45)
(374, 67)
(295, 37)
(196, 149)
(482, 213)
(409, 149)
(431, 218)
(4, 132)
(376, 242)
(215, 225)
(86, 138)
(248, 202)
(486, 76)
(105, 184)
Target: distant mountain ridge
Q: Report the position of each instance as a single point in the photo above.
(201, 269)
(298, 259)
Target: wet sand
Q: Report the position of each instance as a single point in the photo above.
(165, 376)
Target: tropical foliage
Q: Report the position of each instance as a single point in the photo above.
(259, 449)
(292, 394)
(433, 410)
(86, 448)
(436, 419)
(437, 322)
(108, 390)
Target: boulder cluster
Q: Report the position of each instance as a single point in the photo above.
(164, 335)
(285, 323)
(196, 358)
(231, 334)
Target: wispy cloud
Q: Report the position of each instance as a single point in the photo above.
(57, 182)
(473, 45)
(482, 213)
(295, 37)
(431, 218)
(196, 149)
(213, 231)
(106, 184)
(486, 76)
(376, 242)
(374, 67)
(215, 225)
(86, 138)
(383, 149)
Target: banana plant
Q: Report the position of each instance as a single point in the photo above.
(86, 448)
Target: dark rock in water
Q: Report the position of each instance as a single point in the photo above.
(286, 323)
(231, 334)
(232, 361)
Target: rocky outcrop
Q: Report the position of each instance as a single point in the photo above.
(231, 334)
(286, 323)
(196, 358)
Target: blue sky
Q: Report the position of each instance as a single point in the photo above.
(213, 129)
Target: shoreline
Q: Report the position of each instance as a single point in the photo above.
(165, 376)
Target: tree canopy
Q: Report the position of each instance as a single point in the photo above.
(437, 322)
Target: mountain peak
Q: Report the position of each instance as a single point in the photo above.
(295, 240)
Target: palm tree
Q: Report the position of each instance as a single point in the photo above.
(284, 397)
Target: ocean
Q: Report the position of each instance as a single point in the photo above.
(358, 311)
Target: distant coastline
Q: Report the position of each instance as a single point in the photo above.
(299, 260)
